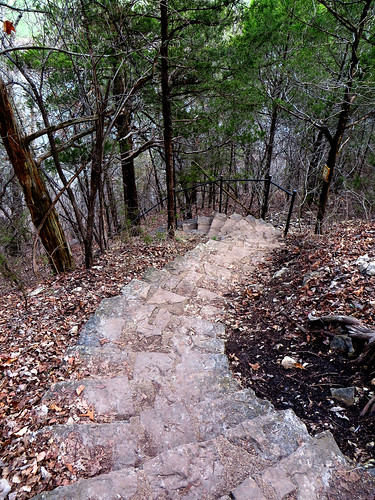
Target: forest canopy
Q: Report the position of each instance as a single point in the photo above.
(110, 107)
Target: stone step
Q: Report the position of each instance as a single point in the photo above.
(307, 472)
(170, 334)
(231, 464)
(92, 449)
(190, 226)
(217, 223)
(229, 223)
(204, 224)
(189, 377)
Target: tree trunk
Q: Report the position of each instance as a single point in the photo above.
(37, 197)
(126, 146)
(95, 180)
(55, 154)
(128, 177)
(157, 182)
(113, 221)
(268, 155)
(310, 183)
(342, 122)
(167, 116)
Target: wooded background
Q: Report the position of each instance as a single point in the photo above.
(107, 106)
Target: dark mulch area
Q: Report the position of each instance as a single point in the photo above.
(267, 319)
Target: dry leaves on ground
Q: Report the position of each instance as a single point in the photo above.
(33, 342)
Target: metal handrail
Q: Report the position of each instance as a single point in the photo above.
(268, 182)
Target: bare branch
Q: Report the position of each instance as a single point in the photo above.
(19, 9)
(345, 22)
(41, 47)
(60, 126)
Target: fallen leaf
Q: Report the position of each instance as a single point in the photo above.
(255, 367)
(80, 389)
(22, 431)
(8, 27)
(54, 407)
(41, 456)
(9, 361)
(90, 413)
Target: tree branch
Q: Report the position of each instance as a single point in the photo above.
(60, 126)
(41, 47)
(18, 9)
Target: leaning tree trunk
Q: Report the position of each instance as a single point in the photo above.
(37, 197)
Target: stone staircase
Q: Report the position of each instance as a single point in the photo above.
(169, 419)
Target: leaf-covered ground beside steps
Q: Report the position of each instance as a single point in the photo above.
(33, 342)
(267, 320)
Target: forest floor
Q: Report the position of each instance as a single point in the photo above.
(267, 318)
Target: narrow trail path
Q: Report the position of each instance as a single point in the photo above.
(170, 420)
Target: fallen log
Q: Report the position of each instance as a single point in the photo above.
(369, 409)
(355, 329)
(352, 325)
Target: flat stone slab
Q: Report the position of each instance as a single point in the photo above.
(309, 468)
(98, 328)
(273, 436)
(111, 396)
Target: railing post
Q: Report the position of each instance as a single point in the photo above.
(290, 212)
(221, 194)
(266, 195)
(175, 207)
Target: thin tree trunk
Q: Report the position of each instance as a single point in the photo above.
(271, 140)
(102, 225)
(313, 167)
(36, 195)
(126, 146)
(269, 150)
(97, 154)
(96, 174)
(112, 205)
(167, 116)
(342, 121)
(128, 177)
(157, 182)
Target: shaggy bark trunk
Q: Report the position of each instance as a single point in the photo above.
(95, 180)
(37, 197)
(128, 176)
